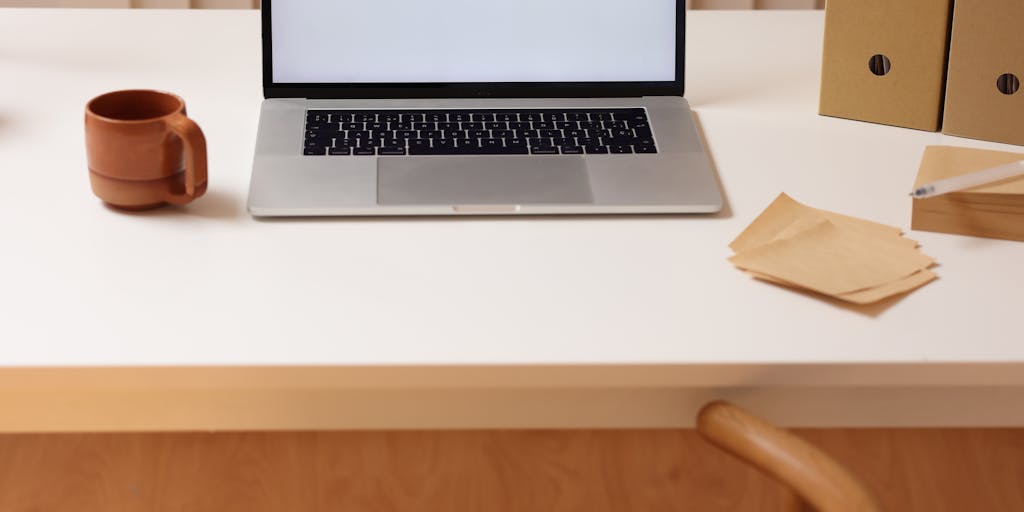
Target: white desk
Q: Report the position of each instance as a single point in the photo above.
(203, 318)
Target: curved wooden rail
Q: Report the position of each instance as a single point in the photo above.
(816, 479)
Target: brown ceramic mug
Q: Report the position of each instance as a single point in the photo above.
(143, 151)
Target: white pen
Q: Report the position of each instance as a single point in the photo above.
(969, 180)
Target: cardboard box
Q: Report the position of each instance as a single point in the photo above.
(984, 98)
(991, 211)
(885, 61)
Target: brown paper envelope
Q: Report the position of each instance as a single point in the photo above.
(903, 285)
(813, 218)
(832, 260)
(870, 295)
(784, 211)
(941, 162)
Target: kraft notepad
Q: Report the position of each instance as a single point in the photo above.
(851, 259)
(993, 211)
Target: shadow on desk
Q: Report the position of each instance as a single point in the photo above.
(213, 205)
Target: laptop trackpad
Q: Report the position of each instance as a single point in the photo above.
(482, 180)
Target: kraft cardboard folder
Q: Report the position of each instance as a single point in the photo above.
(884, 61)
(984, 99)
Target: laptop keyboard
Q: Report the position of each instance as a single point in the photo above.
(478, 132)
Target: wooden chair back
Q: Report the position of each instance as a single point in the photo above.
(815, 480)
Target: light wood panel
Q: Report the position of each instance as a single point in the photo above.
(497, 471)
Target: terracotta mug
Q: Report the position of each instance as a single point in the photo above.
(143, 151)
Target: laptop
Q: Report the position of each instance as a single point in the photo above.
(476, 107)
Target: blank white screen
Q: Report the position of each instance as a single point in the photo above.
(411, 41)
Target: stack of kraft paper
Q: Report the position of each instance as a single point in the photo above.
(850, 259)
(995, 210)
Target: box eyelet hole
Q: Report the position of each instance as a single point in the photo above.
(880, 65)
(1008, 83)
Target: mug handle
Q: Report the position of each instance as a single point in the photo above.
(195, 155)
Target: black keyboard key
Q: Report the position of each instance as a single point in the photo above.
(480, 134)
(419, 144)
(617, 141)
(448, 126)
(591, 125)
(491, 143)
(339, 151)
(364, 151)
(550, 133)
(400, 126)
(391, 151)
(321, 134)
(461, 117)
(645, 149)
(575, 133)
(390, 117)
(544, 125)
(553, 116)
(620, 149)
(506, 116)
(642, 130)
(497, 125)
(567, 125)
(370, 143)
(576, 116)
(365, 118)
(572, 150)
(587, 141)
(519, 126)
(483, 117)
(316, 127)
(436, 117)
(564, 141)
(540, 141)
(456, 134)
(600, 116)
(353, 126)
(431, 134)
(543, 150)
(411, 118)
(592, 150)
(317, 117)
(424, 126)
(622, 133)
(502, 134)
(526, 134)
(315, 150)
(531, 116)
(467, 144)
(631, 115)
(515, 143)
(598, 133)
(472, 126)
(444, 144)
(406, 134)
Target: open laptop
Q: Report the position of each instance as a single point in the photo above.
(449, 107)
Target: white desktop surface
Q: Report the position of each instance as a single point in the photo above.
(87, 292)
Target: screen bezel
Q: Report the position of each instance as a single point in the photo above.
(273, 89)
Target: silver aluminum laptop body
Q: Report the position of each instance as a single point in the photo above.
(287, 182)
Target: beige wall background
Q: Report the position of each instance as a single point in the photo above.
(248, 4)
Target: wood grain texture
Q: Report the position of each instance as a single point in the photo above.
(498, 471)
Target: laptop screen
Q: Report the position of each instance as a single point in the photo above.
(473, 41)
